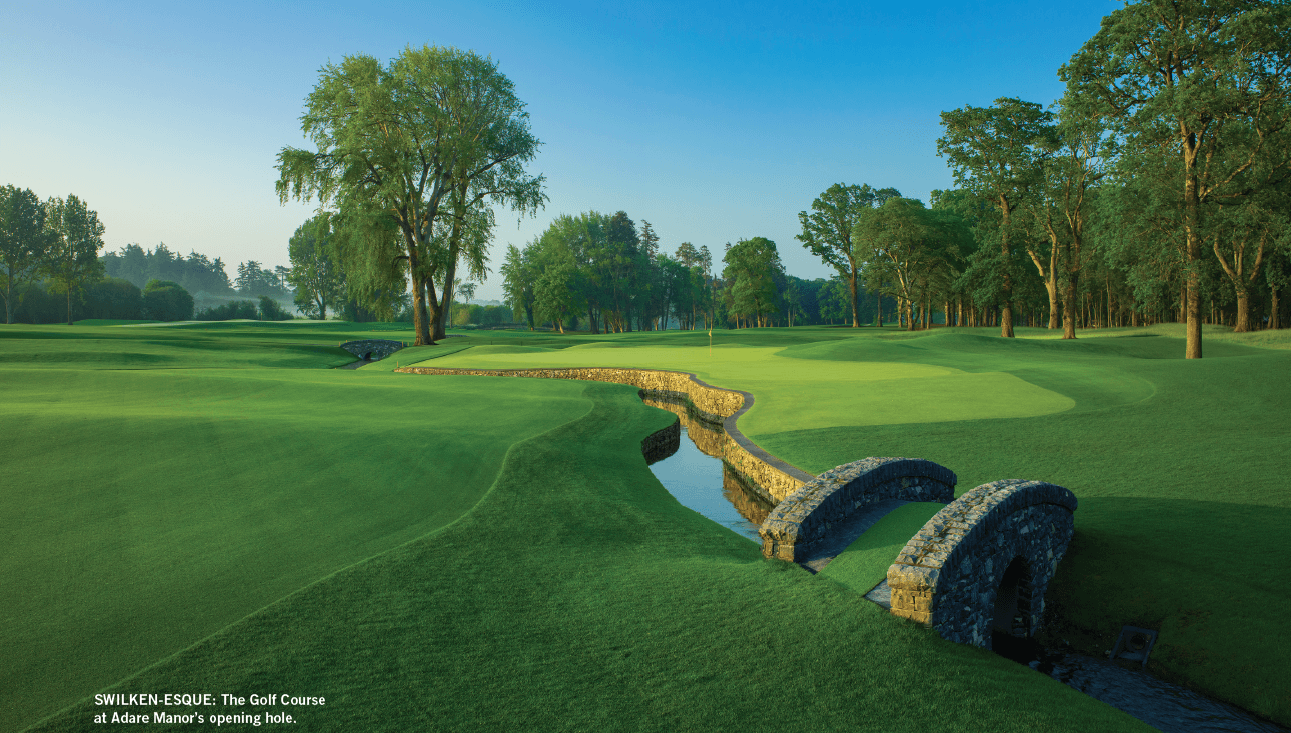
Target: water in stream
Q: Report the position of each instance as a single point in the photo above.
(696, 469)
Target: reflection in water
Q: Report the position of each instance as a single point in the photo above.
(694, 473)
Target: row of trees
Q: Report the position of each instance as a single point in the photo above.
(601, 273)
(599, 269)
(196, 273)
(1156, 189)
(49, 250)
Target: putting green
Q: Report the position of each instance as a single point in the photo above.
(795, 394)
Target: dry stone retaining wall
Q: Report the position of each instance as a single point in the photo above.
(805, 517)
(949, 574)
(712, 404)
(662, 444)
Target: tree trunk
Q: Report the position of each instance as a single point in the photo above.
(8, 300)
(432, 309)
(856, 305)
(1243, 313)
(446, 304)
(1006, 310)
(420, 318)
(1273, 314)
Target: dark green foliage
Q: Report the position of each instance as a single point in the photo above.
(195, 273)
(234, 309)
(270, 310)
(114, 299)
(255, 280)
(164, 300)
(110, 298)
(315, 272)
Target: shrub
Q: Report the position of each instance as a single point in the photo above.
(164, 300)
(113, 298)
(270, 310)
(229, 311)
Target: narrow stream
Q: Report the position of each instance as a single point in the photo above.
(692, 473)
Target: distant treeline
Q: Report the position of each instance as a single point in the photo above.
(113, 298)
(598, 272)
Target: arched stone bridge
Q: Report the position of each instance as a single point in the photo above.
(372, 349)
(978, 568)
(981, 566)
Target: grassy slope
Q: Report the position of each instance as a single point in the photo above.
(579, 595)
(1180, 466)
(148, 507)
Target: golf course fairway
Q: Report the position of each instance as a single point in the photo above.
(211, 509)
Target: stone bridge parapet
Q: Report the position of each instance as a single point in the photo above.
(982, 565)
(372, 349)
(804, 518)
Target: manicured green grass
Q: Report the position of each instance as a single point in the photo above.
(789, 397)
(147, 508)
(1181, 467)
(864, 564)
(577, 594)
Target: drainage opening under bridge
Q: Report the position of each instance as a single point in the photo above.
(694, 473)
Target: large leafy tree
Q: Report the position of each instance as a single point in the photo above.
(24, 240)
(518, 278)
(1206, 82)
(77, 235)
(756, 276)
(996, 152)
(912, 248)
(396, 144)
(1083, 151)
(827, 231)
(314, 273)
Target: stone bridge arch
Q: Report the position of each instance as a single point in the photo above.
(814, 514)
(981, 565)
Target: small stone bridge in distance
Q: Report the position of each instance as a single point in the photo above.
(372, 349)
(979, 567)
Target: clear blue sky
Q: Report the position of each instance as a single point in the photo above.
(713, 122)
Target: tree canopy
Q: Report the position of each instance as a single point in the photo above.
(434, 133)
